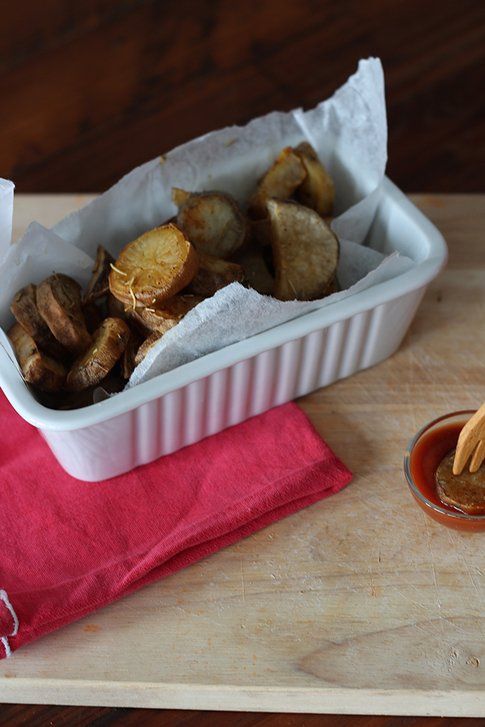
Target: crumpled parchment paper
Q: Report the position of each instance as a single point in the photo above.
(349, 132)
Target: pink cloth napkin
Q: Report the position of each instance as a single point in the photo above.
(68, 547)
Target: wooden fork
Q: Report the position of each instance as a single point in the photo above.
(471, 440)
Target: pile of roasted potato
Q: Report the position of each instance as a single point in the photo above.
(68, 343)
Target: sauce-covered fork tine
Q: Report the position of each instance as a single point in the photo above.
(471, 440)
(478, 456)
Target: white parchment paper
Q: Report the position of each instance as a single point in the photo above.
(6, 213)
(349, 132)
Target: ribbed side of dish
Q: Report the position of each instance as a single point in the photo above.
(231, 395)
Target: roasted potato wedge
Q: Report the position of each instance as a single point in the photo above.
(146, 346)
(75, 399)
(256, 272)
(129, 354)
(98, 286)
(214, 274)
(280, 181)
(59, 303)
(179, 198)
(153, 268)
(212, 221)
(261, 232)
(305, 251)
(116, 309)
(24, 308)
(109, 342)
(37, 369)
(92, 315)
(317, 189)
(167, 315)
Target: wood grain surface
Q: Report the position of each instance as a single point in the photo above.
(357, 604)
(90, 89)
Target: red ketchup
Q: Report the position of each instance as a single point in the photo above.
(425, 457)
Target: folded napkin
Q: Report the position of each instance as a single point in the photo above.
(68, 547)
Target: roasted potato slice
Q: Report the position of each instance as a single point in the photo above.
(146, 346)
(280, 181)
(75, 400)
(153, 268)
(256, 272)
(109, 342)
(317, 189)
(129, 354)
(212, 221)
(167, 315)
(465, 491)
(38, 369)
(214, 274)
(92, 315)
(116, 309)
(261, 232)
(24, 308)
(98, 286)
(305, 251)
(59, 303)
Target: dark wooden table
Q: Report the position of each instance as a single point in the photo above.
(91, 89)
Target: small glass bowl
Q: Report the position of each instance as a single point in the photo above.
(446, 516)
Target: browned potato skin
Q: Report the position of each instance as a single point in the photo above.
(98, 286)
(129, 354)
(317, 189)
(261, 232)
(116, 309)
(147, 281)
(214, 274)
(92, 315)
(212, 221)
(465, 491)
(59, 303)
(24, 308)
(280, 181)
(256, 272)
(166, 316)
(305, 252)
(146, 346)
(109, 342)
(41, 371)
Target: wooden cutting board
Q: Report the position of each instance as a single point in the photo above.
(359, 604)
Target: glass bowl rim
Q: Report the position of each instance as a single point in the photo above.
(409, 478)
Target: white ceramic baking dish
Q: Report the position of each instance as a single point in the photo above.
(226, 387)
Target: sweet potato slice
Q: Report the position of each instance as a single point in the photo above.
(167, 315)
(109, 342)
(146, 346)
(212, 221)
(279, 182)
(154, 267)
(317, 189)
(98, 286)
(24, 308)
(214, 274)
(40, 370)
(466, 491)
(305, 251)
(59, 303)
